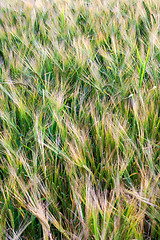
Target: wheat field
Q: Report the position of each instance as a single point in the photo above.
(79, 120)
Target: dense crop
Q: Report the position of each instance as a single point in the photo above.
(79, 119)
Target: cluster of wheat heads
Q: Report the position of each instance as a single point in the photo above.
(79, 119)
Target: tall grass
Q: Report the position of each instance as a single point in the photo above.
(79, 119)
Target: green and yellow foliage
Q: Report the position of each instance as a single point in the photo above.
(79, 119)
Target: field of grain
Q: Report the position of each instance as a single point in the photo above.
(79, 120)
